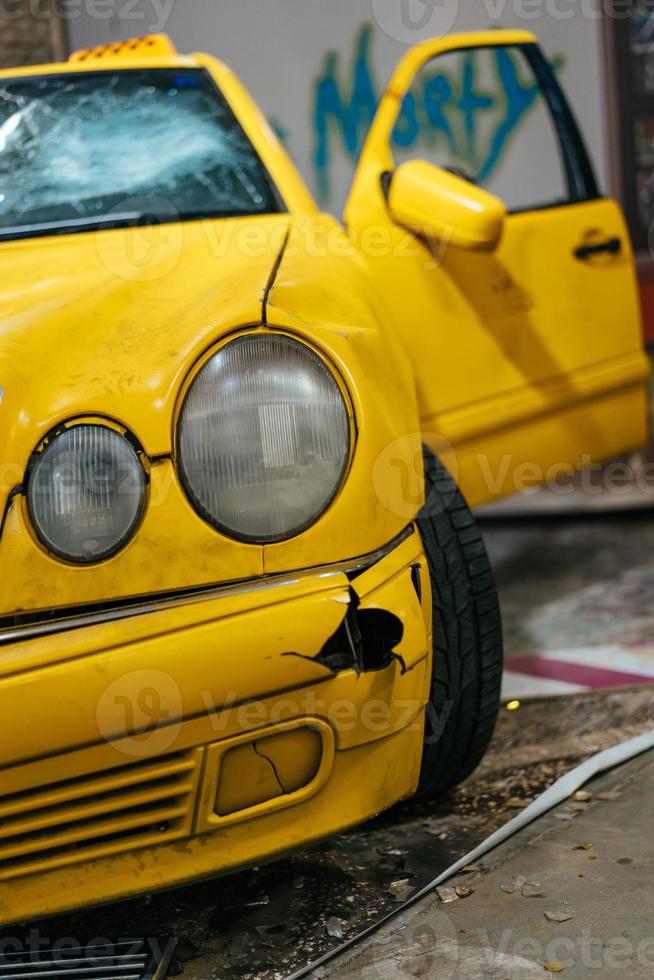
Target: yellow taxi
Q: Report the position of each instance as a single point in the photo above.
(244, 603)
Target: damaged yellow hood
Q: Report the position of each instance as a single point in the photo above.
(108, 323)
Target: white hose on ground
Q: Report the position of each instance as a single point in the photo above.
(558, 792)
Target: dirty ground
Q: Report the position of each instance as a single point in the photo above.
(562, 896)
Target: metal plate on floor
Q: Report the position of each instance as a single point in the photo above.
(125, 960)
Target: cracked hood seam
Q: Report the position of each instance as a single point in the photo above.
(270, 285)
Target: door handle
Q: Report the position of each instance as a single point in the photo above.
(611, 245)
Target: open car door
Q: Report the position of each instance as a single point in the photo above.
(510, 279)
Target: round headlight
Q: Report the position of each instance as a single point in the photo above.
(264, 438)
(86, 493)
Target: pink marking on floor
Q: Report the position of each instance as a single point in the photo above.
(579, 674)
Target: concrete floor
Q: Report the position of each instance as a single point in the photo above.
(576, 596)
(569, 896)
(574, 580)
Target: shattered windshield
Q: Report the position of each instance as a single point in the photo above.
(82, 150)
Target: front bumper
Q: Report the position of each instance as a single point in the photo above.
(198, 737)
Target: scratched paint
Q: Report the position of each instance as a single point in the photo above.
(471, 119)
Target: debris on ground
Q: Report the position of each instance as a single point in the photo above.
(532, 890)
(401, 890)
(250, 903)
(558, 916)
(515, 886)
(447, 893)
(334, 928)
(516, 803)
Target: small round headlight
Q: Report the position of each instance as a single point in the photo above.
(86, 493)
(264, 438)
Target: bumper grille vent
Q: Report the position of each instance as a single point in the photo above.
(97, 815)
(130, 960)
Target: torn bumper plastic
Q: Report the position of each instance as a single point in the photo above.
(200, 737)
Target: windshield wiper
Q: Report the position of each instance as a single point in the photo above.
(71, 224)
(120, 220)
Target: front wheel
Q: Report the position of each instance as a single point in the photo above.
(467, 630)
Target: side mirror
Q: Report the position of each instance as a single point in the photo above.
(440, 205)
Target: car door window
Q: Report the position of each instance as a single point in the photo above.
(497, 117)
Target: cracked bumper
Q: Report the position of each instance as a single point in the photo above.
(199, 738)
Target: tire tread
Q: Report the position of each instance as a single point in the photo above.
(467, 627)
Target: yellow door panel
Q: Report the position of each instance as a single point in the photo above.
(527, 354)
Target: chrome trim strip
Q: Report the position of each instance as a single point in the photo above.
(349, 567)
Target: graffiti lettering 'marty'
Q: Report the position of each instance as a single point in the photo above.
(352, 116)
(440, 107)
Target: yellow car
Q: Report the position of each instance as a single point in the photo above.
(220, 551)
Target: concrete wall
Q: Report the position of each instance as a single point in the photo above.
(317, 66)
(29, 35)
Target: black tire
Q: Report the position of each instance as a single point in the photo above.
(467, 624)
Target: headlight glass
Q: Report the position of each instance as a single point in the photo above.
(86, 493)
(264, 438)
